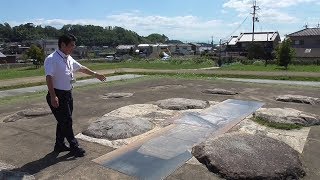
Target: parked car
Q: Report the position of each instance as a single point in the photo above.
(109, 58)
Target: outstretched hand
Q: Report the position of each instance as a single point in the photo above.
(101, 77)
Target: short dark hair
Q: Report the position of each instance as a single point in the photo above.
(66, 38)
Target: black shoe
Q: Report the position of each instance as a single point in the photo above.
(61, 148)
(77, 151)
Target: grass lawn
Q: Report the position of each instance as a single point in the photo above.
(173, 64)
(292, 68)
(32, 71)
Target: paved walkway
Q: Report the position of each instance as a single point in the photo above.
(20, 91)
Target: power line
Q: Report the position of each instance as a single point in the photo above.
(236, 28)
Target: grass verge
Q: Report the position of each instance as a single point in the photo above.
(283, 126)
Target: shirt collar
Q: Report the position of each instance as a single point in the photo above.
(62, 54)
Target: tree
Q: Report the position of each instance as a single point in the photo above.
(37, 54)
(157, 38)
(285, 53)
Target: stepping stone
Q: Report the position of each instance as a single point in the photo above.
(116, 95)
(182, 104)
(27, 113)
(113, 128)
(298, 99)
(246, 156)
(219, 91)
(288, 116)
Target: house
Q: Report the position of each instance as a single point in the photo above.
(49, 45)
(306, 43)
(183, 49)
(125, 49)
(239, 45)
(195, 48)
(4, 59)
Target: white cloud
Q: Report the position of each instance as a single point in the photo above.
(190, 28)
(275, 16)
(270, 10)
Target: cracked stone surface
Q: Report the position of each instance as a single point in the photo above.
(113, 128)
(288, 116)
(295, 138)
(27, 113)
(219, 91)
(247, 156)
(158, 116)
(182, 104)
(116, 95)
(298, 99)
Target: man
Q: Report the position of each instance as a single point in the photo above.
(59, 68)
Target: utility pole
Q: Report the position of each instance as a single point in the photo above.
(219, 61)
(254, 18)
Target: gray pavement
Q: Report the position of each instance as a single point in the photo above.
(27, 143)
(20, 91)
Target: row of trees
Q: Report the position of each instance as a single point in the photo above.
(88, 35)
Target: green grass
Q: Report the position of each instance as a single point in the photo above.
(283, 126)
(147, 65)
(21, 72)
(193, 75)
(32, 71)
(291, 68)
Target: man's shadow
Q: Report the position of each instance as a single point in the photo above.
(38, 165)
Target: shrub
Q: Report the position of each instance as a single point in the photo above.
(258, 63)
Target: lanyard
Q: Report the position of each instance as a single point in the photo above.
(65, 61)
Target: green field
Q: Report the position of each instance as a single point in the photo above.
(291, 68)
(32, 71)
(169, 65)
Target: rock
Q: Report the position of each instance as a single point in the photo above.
(12, 118)
(246, 156)
(288, 116)
(27, 113)
(116, 95)
(35, 112)
(172, 86)
(298, 99)
(113, 128)
(182, 104)
(219, 91)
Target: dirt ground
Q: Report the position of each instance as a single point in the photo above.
(27, 144)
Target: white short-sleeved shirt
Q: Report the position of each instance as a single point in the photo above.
(61, 68)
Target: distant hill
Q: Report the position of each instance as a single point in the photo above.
(87, 35)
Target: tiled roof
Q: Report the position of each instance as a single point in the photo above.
(233, 40)
(307, 32)
(2, 55)
(258, 36)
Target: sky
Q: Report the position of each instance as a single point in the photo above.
(185, 20)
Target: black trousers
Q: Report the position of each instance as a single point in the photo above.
(63, 115)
